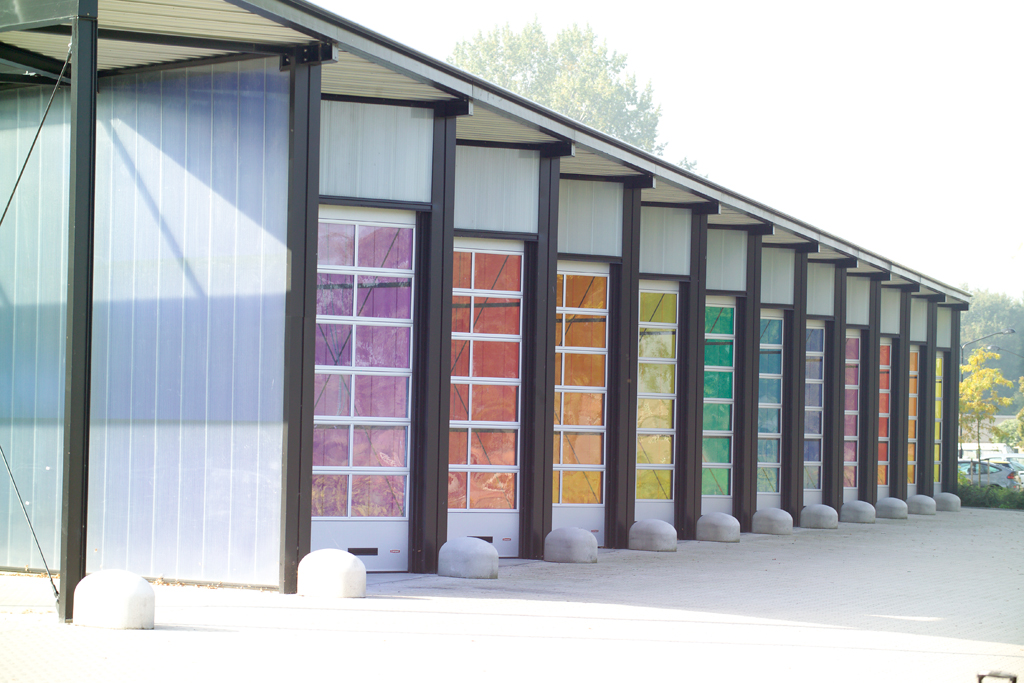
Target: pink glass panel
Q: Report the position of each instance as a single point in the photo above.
(883, 379)
(587, 331)
(883, 403)
(381, 396)
(849, 425)
(330, 446)
(330, 495)
(584, 370)
(884, 354)
(850, 476)
(585, 291)
(462, 272)
(581, 487)
(494, 403)
(883, 452)
(582, 449)
(496, 316)
(384, 297)
(378, 496)
(460, 358)
(333, 345)
(457, 490)
(382, 347)
(851, 400)
(852, 349)
(583, 409)
(332, 395)
(492, 490)
(461, 313)
(459, 403)
(496, 359)
(850, 451)
(335, 244)
(385, 247)
(333, 294)
(458, 446)
(852, 375)
(883, 427)
(498, 272)
(378, 446)
(493, 447)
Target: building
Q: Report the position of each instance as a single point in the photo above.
(299, 286)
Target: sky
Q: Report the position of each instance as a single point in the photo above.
(898, 126)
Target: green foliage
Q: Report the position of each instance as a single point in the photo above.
(993, 312)
(575, 75)
(1012, 431)
(989, 496)
(979, 397)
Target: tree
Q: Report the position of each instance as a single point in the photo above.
(979, 396)
(992, 312)
(1012, 431)
(575, 75)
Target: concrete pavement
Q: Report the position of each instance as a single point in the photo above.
(925, 599)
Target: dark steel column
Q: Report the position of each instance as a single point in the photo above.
(951, 408)
(926, 406)
(623, 300)
(748, 349)
(898, 401)
(428, 513)
(78, 369)
(795, 350)
(690, 393)
(835, 397)
(869, 341)
(539, 369)
(300, 321)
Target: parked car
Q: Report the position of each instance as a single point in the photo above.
(990, 473)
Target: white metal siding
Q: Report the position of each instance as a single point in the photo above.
(918, 320)
(727, 260)
(890, 311)
(858, 300)
(944, 334)
(665, 241)
(777, 268)
(374, 151)
(821, 288)
(590, 218)
(496, 189)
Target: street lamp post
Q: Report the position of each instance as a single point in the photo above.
(960, 445)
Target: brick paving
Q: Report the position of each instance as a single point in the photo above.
(925, 599)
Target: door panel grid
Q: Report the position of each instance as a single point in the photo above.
(719, 399)
(912, 422)
(656, 395)
(769, 404)
(884, 395)
(851, 410)
(814, 405)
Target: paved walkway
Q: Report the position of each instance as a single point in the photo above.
(926, 599)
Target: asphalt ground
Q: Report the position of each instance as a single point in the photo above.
(936, 598)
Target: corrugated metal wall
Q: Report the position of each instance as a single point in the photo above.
(375, 151)
(727, 260)
(777, 267)
(496, 189)
(589, 218)
(665, 240)
(185, 477)
(821, 283)
(33, 297)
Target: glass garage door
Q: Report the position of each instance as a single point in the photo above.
(484, 438)
(884, 396)
(363, 356)
(719, 399)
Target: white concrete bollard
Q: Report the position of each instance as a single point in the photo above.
(857, 512)
(718, 527)
(774, 521)
(819, 516)
(468, 558)
(921, 505)
(570, 545)
(653, 534)
(114, 598)
(947, 502)
(891, 508)
(332, 573)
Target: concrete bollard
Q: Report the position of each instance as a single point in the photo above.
(468, 558)
(857, 512)
(947, 502)
(773, 521)
(819, 517)
(114, 598)
(654, 535)
(718, 527)
(921, 505)
(891, 508)
(332, 573)
(570, 545)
